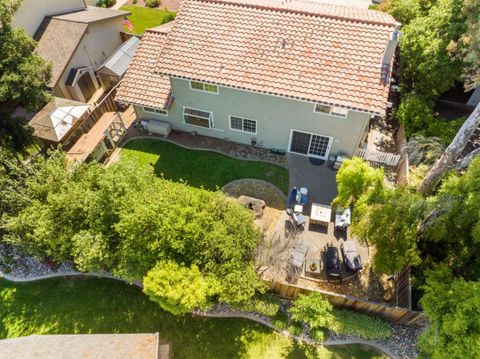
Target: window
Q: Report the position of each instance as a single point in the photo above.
(339, 111)
(200, 86)
(197, 117)
(155, 110)
(322, 108)
(243, 124)
(334, 111)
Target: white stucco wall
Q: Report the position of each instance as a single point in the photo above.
(275, 116)
(32, 12)
(100, 41)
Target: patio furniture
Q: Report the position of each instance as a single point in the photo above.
(303, 196)
(295, 263)
(350, 256)
(339, 161)
(343, 218)
(298, 220)
(292, 198)
(298, 208)
(320, 214)
(333, 262)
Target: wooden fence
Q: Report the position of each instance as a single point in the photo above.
(386, 158)
(387, 312)
(107, 104)
(403, 167)
(403, 289)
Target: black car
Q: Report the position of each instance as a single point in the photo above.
(333, 262)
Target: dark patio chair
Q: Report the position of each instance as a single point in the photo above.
(351, 258)
(333, 262)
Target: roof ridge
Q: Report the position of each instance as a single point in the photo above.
(313, 8)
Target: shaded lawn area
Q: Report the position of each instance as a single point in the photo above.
(200, 168)
(144, 18)
(94, 305)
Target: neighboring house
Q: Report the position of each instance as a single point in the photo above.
(301, 76)
(32, 12)
(77, 44)
(85, 346)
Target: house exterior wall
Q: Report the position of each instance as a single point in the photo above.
(275, 116)
(93, 50)
(32, 12)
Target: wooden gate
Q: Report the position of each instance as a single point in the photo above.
(389, 159)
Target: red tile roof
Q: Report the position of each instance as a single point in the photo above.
(141, 85)
(299, 49)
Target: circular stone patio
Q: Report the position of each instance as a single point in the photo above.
(256, 188)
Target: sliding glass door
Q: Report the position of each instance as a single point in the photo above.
(310, 144)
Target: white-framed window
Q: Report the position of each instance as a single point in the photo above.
(155, 110)
(196, 117)
(243, 124)
(331, 110)
(339, 111)
(200, 86)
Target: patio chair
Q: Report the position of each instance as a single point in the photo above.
(343, 218)
(351, 258)
(333, 262)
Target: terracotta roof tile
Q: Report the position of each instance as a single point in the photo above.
(141, 86)
(302, 49)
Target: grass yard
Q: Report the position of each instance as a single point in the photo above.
(200, 168)
(92, 305)
(144, 18)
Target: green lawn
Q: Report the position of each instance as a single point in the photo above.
(144, 18)
(200, 168)
(86, 305)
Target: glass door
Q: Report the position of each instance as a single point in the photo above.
(310, 144)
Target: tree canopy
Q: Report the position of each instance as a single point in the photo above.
(453, 307)
(126, 220)
(23, 77)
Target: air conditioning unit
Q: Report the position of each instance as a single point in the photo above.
(159, 127)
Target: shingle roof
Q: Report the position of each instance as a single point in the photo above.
(300, 49)
(59, 36)
(141, 86)
(92, 14)
(57, 42)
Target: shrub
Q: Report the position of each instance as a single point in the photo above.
(106, 3)
(315, 311)
(415, 112)
(267, 304)
(152, 3)
(355, 178)
(351, 323)
(169, 17)
(178, 289)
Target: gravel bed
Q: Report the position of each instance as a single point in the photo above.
(402, 342)
(15, 262)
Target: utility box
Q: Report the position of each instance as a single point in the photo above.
(158, 127)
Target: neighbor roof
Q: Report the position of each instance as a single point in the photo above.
(141, 85)
(92, 14)
(118, 63)
(86, 346)
(299, 49)
(59, 36)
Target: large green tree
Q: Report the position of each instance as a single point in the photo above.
(453, 308)
(23, 77)
(126, 220)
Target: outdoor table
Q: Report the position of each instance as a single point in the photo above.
(320, 214)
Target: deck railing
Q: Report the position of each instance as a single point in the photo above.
(385, 158)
